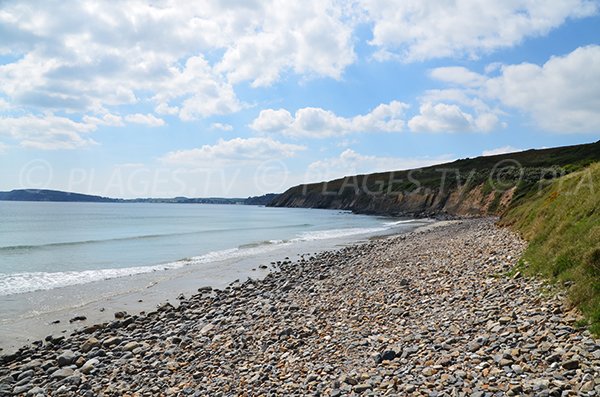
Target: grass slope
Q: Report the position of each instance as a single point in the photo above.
(536, 165)
(562, 224)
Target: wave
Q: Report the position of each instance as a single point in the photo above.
(262, 243)
(324, 235)
(405, 221)
(16, 283)
(346, 232)
(37, 281)
(141, 237)
(336, 233)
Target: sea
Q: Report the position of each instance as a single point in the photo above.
(60, 259)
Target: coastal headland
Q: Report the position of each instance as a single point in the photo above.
(438, 311)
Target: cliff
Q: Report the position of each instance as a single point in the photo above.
(261, 200)
(466, 187)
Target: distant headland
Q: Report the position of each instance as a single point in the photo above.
(61, 196)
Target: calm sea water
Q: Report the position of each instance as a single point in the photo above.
(45, 246)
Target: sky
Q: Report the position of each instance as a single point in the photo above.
(234, 98)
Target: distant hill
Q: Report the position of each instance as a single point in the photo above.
(52, 195)
(57, 195)
(466, 187)
(261, 200)
(187, 200)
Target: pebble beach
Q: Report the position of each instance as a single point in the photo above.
(435, 312)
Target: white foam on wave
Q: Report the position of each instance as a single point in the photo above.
(403, 222)
(16, 283)
(35, 281)
(336, 233)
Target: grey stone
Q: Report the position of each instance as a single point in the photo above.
(66, 358)
(362, 387)
(89, 365)
(62, 373)
(22, 389)
(25, 374)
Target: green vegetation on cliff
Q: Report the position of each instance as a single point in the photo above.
(477, 186)
(550, 196)
(562, 224)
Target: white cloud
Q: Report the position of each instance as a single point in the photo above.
(458, 75)
(306, 37)
(147, 119)
(47, 132)
(501, 150)
(87, 57)
(492, 67)
(200, 91)
(563, 95)
(107, 119)
(3, 147)
(413, 30)
(443, 117)
(4, 105)
(163, 108)
(53, 81)
(345, 143)
(221, 126)
(270, 120)
(321, 123)
(350, 162)
(465, 97)
(234, 151)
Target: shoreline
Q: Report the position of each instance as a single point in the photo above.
(428, 311)
(33, 316)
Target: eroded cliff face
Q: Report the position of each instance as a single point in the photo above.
(420, 202)
(484, 185)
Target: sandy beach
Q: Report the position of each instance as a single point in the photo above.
(433, 312)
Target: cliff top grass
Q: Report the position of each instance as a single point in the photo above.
(562, 224)
(506, 168)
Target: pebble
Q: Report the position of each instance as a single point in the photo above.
(66, 358)
(89, 344)
(62, 373)
(89, 366)
(430, 312)
(571, 364)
